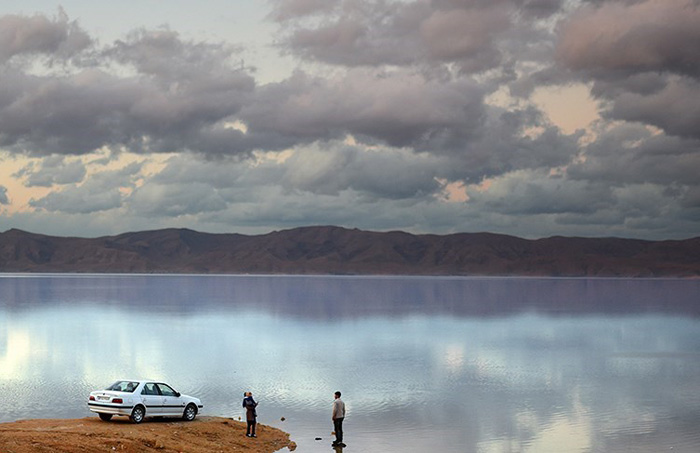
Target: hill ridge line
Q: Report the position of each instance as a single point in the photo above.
(338, 250)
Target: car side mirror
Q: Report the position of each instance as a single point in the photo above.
(177, 394)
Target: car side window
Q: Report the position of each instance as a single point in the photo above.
(166, 390)
(150, 389)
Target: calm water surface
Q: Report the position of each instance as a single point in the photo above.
(425, 364)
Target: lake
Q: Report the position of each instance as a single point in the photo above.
(424, 364)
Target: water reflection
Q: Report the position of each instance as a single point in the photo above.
(332, 297)
(427, 364)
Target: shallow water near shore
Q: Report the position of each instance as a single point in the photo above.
(424, 364)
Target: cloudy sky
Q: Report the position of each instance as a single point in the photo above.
(525, 117)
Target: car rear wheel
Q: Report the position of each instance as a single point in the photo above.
(138, 414)
(105, 417)
(190, 412)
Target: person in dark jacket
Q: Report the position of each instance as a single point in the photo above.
(250, 414)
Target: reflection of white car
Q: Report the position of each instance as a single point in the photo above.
(138, 399)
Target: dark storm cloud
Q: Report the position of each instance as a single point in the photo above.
(375, 175)
(360, 32)
(174, 200)
(337, 174)
(291, 9)
(73, 114)
(399, 108)
(409, 105)
(545, 204)
(643, 57)
(336, 183)
(675, 108)
(691, 199)
(652, 35)
(472, 36)
(503, 145)
(155, 92)
(99, 192)
(327, 171)
(52, 170)
(653, 177)
(448, 121)
(540, 8)
(631, 154)
(82, 200)
(537, 192)
(21, 35)
(165, 95)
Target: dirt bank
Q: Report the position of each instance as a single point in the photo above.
(203, 435)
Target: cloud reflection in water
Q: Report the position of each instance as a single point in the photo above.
(426, 364)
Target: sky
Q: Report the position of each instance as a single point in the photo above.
(532, 118)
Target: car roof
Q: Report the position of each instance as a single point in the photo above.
(137, 380)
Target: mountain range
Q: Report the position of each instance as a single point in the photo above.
(335, 250)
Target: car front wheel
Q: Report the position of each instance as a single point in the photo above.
(105, 417)
(190, 412)
(138, 414)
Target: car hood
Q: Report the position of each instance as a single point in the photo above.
(191, 398)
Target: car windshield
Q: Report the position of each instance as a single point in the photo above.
(123, 386)
(166, 390)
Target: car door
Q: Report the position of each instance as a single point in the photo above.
(152, 398)
(173, 403)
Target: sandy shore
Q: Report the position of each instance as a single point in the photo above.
(203, 435)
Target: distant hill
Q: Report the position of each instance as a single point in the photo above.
(334, 250)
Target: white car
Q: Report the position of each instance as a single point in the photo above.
(138, 399)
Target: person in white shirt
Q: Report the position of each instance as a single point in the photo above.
(338, 417)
